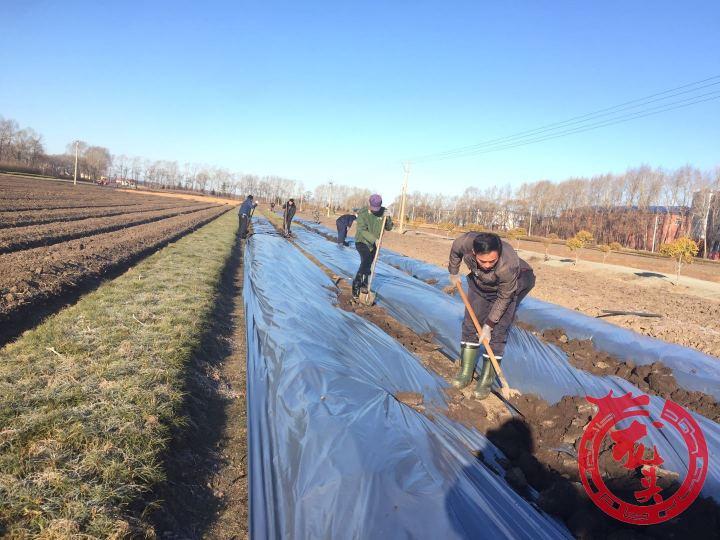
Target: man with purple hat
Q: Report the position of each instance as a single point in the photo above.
(369, 224)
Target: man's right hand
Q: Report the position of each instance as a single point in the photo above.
(456, 280)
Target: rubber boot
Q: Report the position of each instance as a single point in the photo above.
(364, 283)
(468, 357)
(357, 282)
(487, 378)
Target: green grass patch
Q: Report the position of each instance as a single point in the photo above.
(89, 398)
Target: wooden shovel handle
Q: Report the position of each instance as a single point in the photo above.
(478, 327)
(377, 253)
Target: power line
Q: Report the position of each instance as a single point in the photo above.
(604, 123)
(587, 118)
(581, 119)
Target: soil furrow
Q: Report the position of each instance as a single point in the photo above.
(36, 282)
(10, 220)
(21, 238)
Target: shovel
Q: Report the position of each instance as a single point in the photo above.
(368, 298)
(505, 389)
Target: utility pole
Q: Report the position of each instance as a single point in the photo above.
(406, 167)
(76, 160)
(330, 199)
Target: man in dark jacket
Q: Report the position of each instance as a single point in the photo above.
(343, 224)
(246, 209)
(369, 225)
(497, 283)
(289, 209)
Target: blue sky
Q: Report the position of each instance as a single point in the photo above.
(348, 90)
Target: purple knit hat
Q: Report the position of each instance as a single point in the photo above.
(375, 202)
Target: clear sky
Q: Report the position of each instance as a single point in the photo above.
(346, 91)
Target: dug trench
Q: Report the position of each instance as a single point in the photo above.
(540, 443)
(655, 378)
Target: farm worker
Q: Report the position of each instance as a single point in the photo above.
(272, 206)
(497, 283)
(343, 224)
(245, 212)
(288, 215)
(369, 223)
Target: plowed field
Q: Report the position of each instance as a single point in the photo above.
(56, 239)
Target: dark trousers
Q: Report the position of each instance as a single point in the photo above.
(244, 220)
(482, 303)
(286, 225)
(366, 257)
(341, 233)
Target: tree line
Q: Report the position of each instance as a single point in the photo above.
(623, 208)
(620, 208)
(22, 150)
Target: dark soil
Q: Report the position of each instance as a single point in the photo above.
(19, 238)
(41, 217)
(37, 282)
(656, 378)
(542, 452)
(206, 492)
(20, 194)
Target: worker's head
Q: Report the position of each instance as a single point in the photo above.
(487, 248)
(375, 202)
(249, 196)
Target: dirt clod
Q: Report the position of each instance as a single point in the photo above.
(411, 399)
(656, 378)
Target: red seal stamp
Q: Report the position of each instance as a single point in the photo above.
(629, 451)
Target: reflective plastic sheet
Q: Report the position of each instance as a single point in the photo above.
(530, 365)
(693, 369)
(333, 454)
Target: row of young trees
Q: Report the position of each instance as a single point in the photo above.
(339, 197)
(162, 174)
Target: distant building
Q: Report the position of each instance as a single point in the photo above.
(643, 228)
(669, 223)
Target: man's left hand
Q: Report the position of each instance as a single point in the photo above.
(486, 333)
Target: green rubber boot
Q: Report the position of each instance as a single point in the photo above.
(468, 357)
(487, 378)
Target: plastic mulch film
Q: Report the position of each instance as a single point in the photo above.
(332, 453)
(693, 369)
(530, 365)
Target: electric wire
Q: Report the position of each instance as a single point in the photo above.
(595, 116)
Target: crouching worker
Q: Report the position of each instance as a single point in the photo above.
(369, 224)
(343, 224)
(498, 281)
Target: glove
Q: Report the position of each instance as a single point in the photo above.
(456, 280)
(485, 333)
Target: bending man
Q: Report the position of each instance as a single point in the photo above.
(343, 224)
(245, 212)
(369, 224)
(498, 281)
